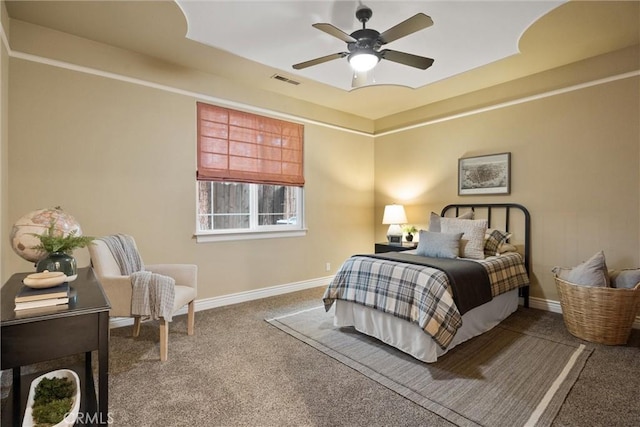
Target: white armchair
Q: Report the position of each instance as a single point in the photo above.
(118, 289)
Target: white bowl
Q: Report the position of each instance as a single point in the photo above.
(45, 279)
(71, 417)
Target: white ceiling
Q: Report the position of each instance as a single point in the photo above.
(465, 34)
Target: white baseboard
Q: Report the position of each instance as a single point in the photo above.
(554, 306)
(207, 303)
(544, 304)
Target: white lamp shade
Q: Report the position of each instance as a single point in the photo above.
(363, 61)
(394, 214)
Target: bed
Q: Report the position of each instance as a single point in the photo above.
(425, 306)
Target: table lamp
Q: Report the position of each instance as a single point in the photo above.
(394, 215)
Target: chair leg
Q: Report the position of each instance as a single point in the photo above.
(191, 318)
(136, 326)
(164, 340)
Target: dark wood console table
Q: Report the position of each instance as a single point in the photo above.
(45, 335)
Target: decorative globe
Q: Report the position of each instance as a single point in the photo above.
(38, 222)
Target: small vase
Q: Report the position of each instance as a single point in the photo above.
(409, 237)
(59, 261)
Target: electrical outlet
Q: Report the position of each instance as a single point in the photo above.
(327, 266)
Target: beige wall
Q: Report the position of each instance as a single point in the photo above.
(120, 157)
(46, 44)
(575, 166)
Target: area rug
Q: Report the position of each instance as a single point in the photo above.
(505, 377)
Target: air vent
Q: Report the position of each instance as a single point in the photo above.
(285, 79)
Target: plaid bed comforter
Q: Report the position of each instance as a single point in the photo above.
(416, 293)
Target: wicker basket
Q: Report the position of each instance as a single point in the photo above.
(597, 314)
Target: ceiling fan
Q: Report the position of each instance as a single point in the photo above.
(364, 45)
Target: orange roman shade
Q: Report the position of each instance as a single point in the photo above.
(244, 147)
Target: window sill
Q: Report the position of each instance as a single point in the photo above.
(247, 235)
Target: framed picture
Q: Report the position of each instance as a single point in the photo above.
(489, 174)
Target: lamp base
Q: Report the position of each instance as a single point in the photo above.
(394, 234)
(395, 240)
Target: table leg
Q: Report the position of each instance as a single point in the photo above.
(17, 410)
(88, 370)
(103, 367)
(89, 387)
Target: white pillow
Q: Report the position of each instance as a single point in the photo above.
(434, 220)
(472, 242)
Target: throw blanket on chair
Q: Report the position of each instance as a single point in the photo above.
(152, 294)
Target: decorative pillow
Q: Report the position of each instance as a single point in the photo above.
(592, 272)
(472, 242)
(434, 220)
(438, 245)
(627, 278)
(493, 241)
(507, 247)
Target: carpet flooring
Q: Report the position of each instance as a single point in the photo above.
(504, 377)
(238, 370)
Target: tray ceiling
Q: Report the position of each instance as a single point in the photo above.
(465, 34)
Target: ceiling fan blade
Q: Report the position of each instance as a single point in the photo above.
(320, 60)
(362, 78)
(407, 59)
(415, 23)
(335, 32)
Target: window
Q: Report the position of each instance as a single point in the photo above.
(241, 206)
(249, 175)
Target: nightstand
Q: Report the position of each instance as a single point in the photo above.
(386, 247)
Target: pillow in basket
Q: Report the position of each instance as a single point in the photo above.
(627, 278)
(592, 272)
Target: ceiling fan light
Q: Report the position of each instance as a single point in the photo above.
(363, 61)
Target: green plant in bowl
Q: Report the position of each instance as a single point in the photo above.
(65, 381)
(410, 230)
(53, 401)
(54, 241)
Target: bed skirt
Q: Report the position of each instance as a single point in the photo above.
(409, 338)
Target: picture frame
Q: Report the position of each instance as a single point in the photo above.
(489, 174)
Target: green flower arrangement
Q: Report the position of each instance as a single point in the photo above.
(409, 229)
(53, 241)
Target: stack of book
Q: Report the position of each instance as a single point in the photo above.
(43, 297)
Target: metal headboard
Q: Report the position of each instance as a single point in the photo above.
(506, 208)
